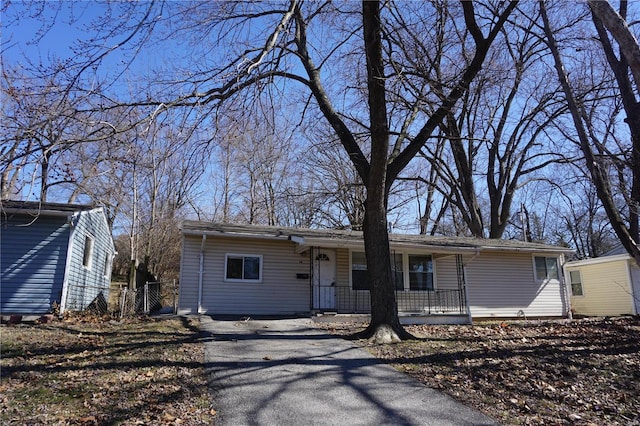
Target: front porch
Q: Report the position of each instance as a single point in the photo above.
(414, 307)
(420, 299)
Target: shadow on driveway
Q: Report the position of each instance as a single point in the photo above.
(286, 372)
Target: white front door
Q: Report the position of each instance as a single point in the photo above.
(324, 279)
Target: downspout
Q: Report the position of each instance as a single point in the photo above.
(635, 297)
(311, 272)
(67, 266)
(566, 289)
(201, 273)
(466, 290)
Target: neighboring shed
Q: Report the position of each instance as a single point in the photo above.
(52, 254)
(260, 270)
(607, 285)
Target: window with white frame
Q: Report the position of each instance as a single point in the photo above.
(88, 252)
(546, 268)
(418, 267)
(108, 259)
(576, 283)
(420, 272)
(243, 267)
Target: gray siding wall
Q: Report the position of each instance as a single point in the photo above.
(85, 284)
(32, 263)
(279, 293)
(446, 274)
(503, 284)
(189, 267)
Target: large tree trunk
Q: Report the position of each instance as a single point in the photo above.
(385, 325)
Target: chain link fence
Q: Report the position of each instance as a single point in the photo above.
(152, 297)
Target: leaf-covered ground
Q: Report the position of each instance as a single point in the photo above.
(583, 372)
(87, 371)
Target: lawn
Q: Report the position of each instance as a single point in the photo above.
(583, 372)
(88, 371)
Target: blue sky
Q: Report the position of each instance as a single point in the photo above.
(36, 37)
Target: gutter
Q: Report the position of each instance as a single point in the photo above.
(233, 235)
(36, 212)
(201, 273)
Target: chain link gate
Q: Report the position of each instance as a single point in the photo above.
(151, 297)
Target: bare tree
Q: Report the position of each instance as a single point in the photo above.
(597, 154)
(375, 112)
(496, 138)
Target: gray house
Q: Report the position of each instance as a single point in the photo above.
(261, 270)
(53, 254)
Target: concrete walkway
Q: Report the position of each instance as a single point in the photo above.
(286, 372)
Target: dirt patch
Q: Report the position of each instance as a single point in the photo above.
(583, 372)
(91, 371)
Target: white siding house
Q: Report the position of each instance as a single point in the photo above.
(276, 290)
(258, 270)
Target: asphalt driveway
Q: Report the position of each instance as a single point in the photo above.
(286, 372)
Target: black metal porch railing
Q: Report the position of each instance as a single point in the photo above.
(426, 302)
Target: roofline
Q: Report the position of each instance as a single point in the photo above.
(199, 233)
(305, 242)
(40, 212)
(597, 260)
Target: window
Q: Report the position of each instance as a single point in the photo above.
(546, 268)
(88, 252)
(360, 279)
(576, 283)
(420, 272)
(398, 271)
(242, 267)
(107, 265)
(359, 276)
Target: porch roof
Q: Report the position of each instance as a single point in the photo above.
(333, 238)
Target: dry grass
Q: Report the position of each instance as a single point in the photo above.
(584, 372)
(92, 371)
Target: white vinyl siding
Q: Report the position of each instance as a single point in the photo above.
(279, 292)
(189, 267)
(606, 289)
(446, 273)
(503, 284)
